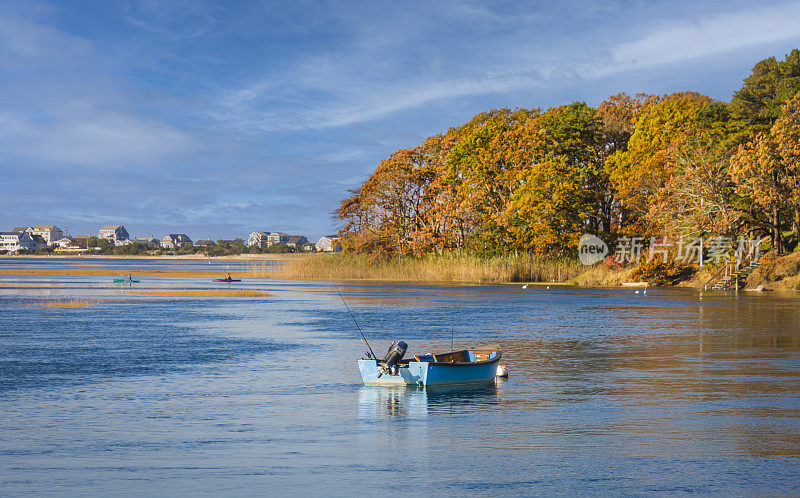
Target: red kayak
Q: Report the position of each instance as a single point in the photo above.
(225, 280)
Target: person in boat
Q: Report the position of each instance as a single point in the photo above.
(130, 277)
(228, 276)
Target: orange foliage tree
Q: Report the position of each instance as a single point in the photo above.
(535, 181)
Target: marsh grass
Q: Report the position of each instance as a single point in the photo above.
(600, 276)
(65, 303)
(448, 267)
(205, 293)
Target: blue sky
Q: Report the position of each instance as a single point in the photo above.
(216, 119)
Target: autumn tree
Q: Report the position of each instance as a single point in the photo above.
(758, 103)
(786, 134)
(563, 192)
(619, 114)
(389, 207)
(760, 174)
(640, 165)
(484, 163)
(640, 172)
(700, 196)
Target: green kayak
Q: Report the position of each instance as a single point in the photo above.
(125, 281)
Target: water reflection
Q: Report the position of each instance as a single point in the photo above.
(412, 402)
(609, 392)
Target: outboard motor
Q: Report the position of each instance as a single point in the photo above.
(393, 356)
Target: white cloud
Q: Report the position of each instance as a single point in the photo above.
(726, 33)
(92, 139)
(360, 84)
(24, 39)
(172, 19)
(337, 91)
(370, 104)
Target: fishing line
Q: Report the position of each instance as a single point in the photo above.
(355, 321)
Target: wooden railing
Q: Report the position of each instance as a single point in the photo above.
(728, 268)
(734, 266)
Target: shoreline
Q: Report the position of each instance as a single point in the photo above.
(245, 257)
(442, 270)
(210, 274)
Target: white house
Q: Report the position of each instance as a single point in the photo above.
(278, 238)
(258, 239)
(329, 243)
(50, 233)
(173, 240)
(20, 241)
(114, 233)
(63, 242)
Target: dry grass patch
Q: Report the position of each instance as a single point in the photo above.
(448, 267)
(66, 303)
(205, 293)
(600, 276)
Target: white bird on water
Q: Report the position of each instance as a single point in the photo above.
(525, 286)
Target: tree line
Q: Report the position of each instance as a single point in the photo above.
(534, 180)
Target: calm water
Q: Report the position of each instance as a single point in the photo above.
(610, 392)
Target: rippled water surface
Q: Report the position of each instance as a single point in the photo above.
(610, 392)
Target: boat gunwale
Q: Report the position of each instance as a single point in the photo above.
(448, 364)
(465, 363)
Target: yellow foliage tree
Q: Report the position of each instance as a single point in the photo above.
(639, 172)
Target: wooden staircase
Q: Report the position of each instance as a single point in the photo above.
(732, 275)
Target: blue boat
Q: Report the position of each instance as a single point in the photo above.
(469, 366)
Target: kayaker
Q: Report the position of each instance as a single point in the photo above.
(228, 276)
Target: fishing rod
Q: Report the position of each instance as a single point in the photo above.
(363, 337)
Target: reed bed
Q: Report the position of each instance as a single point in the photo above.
(600, 276)
(204, 293)
(447, 267)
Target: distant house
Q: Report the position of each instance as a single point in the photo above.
(68, 245)
(278, 238)
(50, 233)
(22, 229)
(204, 243)
(173, 240)
(296, 241)
(63, 242)
(17, 241)
(38, 242)
(148, 241)
(329, 243)
(81, 240)
(258, 239)
(114, 233)
(142, 241)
